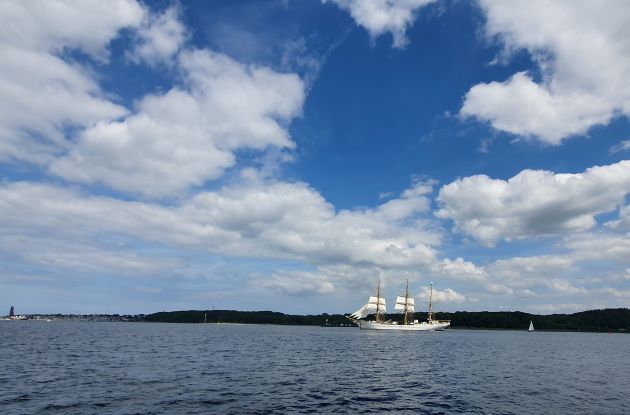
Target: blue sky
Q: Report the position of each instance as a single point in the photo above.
(287, 155)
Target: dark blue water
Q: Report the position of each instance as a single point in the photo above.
(142, 368)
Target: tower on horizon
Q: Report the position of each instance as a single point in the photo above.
(12, 312)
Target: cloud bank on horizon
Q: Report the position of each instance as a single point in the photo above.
(149, 165)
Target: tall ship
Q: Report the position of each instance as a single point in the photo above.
(378, 307)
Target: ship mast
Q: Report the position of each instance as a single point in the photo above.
(430, 301)
(378, 301)
(406, 320)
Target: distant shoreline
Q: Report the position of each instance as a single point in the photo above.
(606, 320)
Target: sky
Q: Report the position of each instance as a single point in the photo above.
(289, 155)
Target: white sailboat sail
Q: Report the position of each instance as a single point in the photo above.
(531, 326)
(400, 304)
(375, 300)
(370, 308)
(360, 313)
(401, 307)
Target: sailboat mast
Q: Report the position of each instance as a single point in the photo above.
(430, 302)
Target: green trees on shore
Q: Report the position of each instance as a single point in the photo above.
(617, 319)
(611, 319)
(246, 317)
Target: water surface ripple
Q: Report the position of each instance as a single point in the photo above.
(143, 368)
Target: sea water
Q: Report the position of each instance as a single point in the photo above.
(151, 368)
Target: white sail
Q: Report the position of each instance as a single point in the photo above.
(400, 304)
(381, 307)
(401, 307)
(373, 300)
(531, 326)
(360, 313)
(370, 308)
(401, 300)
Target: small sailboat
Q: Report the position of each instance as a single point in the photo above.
(531, 326)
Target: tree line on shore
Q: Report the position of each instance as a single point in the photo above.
(612, 319)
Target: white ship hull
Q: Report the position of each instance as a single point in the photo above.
(424, 326)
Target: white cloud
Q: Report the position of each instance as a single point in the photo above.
(527, 293)
(529, 270)
(41, 94)
(614, 292)
(621, 146)
(565, 287)
(521, 106)
(584, 58)
(68, 255)
(533, 203)
(159, 37)
(499, 289)
(172, 141)
(442, 296)
(384, 16)
(52, 26)
(462, 270)
(599, 247)
(297, 283)
(490, 277)
(503, 276)
(623, 221)
(255, 220)
(185, 137)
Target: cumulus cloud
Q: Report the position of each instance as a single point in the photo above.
(600, 246)
(187, 136)
(500, 289)
(442, 296)
(551, 274)
(171, 141)
(79, 257)
(277, 220)
(159, 37)
(41, 94)
(563, 273)
(622, 223)
(384, 16)
(615, 292)
(565, 287)
(533, 203)
(462, 270)
(525, 270)
(52, 26)
(297, 283)
(584, 60)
